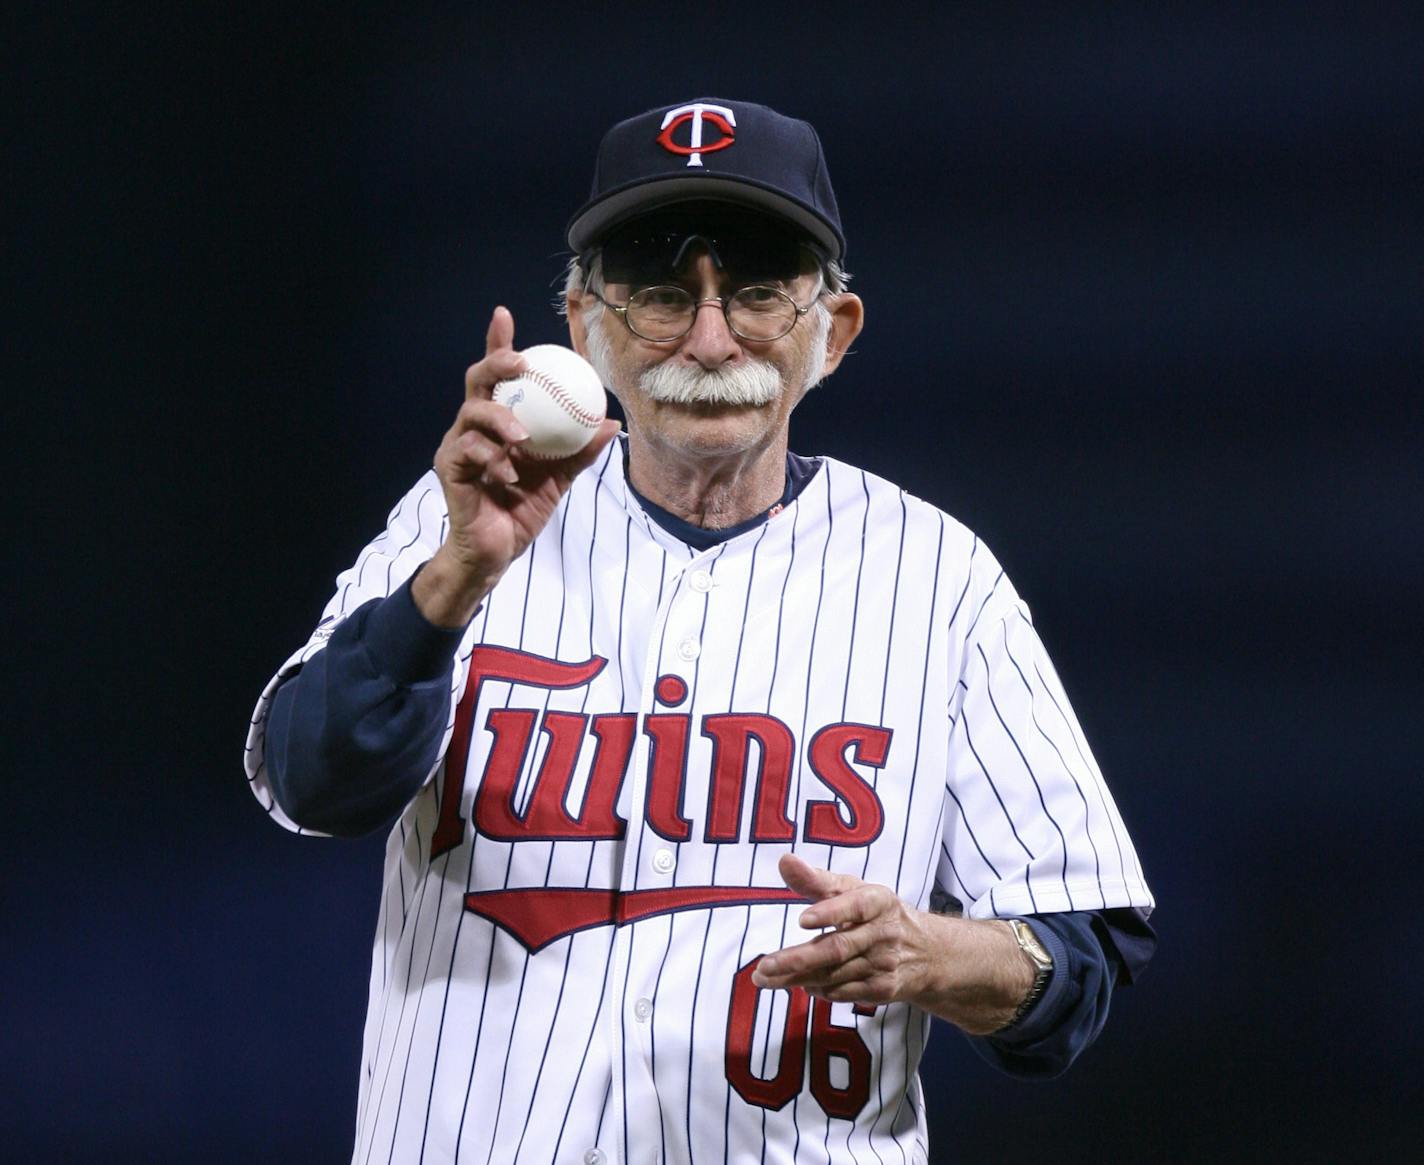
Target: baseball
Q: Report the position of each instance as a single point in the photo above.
(558, 398)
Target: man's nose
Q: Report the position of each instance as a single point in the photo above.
(710, 342)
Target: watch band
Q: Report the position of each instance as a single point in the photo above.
(1043, 964)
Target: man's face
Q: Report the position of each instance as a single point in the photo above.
(711, 391)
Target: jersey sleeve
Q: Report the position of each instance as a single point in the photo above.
(414, 530)
(1029, 824)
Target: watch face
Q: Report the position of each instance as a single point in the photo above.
(1030, 944)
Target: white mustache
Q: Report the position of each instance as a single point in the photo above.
(753, 383)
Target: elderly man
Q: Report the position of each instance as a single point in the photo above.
(646, 716)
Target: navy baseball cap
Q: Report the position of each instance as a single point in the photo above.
(715, 150)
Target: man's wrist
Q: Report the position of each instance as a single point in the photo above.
(1041, 961)
(448, 593)
(979, 976)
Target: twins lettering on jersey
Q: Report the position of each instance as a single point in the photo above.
(537, 916)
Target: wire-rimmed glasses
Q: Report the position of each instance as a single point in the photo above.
(662, 314)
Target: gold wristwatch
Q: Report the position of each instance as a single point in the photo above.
(1042, 961)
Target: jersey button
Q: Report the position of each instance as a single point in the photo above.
(594, 1157)
(663, 861)
(642, 1009)
(689, 649)
(701, 581)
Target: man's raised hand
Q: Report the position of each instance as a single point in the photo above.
(497, 499)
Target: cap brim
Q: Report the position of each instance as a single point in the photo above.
(616, 206)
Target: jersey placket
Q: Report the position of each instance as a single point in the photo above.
(649, 861)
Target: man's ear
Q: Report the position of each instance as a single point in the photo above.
(847, 318)
(578, 329)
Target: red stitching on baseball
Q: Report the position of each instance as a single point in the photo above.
(556, 390)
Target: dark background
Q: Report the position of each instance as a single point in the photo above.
(1143, 293)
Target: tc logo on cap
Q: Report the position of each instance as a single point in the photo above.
(698, 114)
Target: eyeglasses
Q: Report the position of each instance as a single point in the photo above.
(663, 314)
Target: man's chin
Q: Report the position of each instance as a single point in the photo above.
(709, 428)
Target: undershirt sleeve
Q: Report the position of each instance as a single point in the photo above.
(1092, 951)
(355, 733)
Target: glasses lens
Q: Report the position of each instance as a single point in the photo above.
(660, 313)
(761, 313)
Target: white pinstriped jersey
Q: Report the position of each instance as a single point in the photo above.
(638, 731)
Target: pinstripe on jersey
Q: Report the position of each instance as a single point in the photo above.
(864, 685)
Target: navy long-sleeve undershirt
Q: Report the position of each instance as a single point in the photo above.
(353, 735)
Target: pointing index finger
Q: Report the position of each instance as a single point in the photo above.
(500, 362)
(501, 331)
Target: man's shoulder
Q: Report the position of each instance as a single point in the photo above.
(919, 542)
(887, 498)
